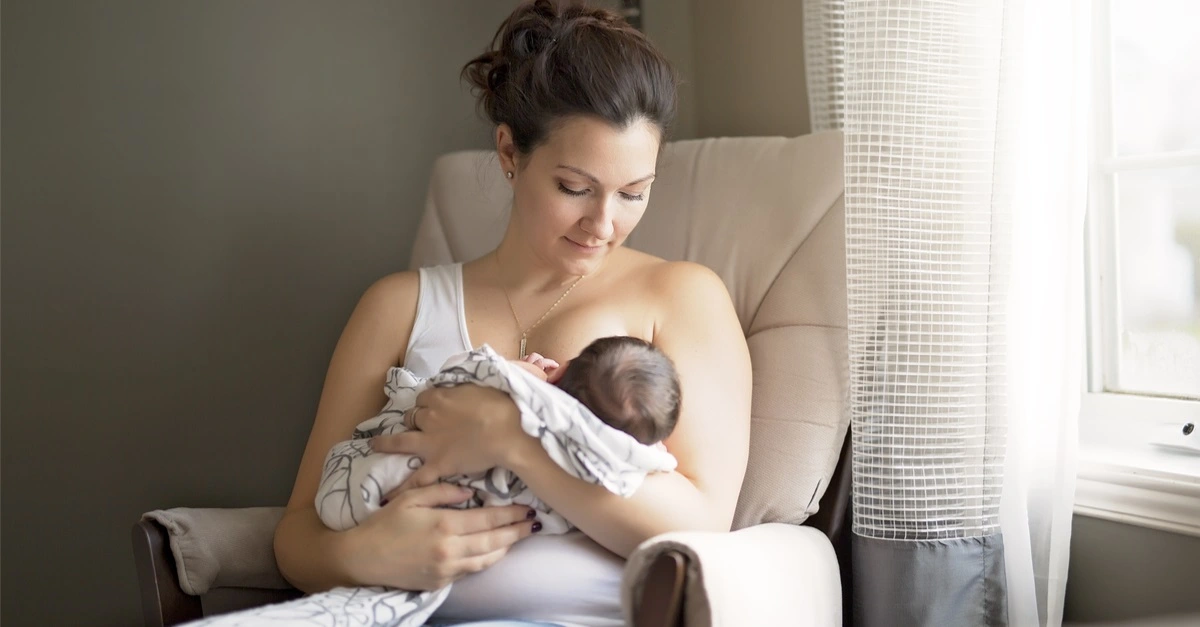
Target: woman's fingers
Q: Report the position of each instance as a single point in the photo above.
(483, 520)
(475, 554)
(429, 397)
(408, 442)
(437, 495)
(482, 562)
(487, 542)
(424, 476)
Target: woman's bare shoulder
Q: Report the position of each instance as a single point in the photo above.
(656, 269)
(389, 308)
(672, 286)
(682, 282)
(377, 333)
(394, 291)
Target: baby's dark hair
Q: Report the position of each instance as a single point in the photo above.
(548, 62)
(629, 384)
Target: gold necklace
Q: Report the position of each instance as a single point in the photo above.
(525, 333)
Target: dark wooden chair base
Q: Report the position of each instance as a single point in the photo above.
(164, 603)
(662, 595)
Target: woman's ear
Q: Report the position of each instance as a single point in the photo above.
(506, 150)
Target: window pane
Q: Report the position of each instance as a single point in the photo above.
(1158, 238)
(1156, 76)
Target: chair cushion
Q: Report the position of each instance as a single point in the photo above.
(766, 215)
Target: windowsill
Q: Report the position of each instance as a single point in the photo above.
(1124, 477)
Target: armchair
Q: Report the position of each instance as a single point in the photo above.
(764, 213)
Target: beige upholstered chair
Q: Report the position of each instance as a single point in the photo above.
(766, 215)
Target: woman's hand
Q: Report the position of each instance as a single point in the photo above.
(461, 430)
(409, 544)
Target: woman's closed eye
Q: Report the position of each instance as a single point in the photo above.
(583, 192)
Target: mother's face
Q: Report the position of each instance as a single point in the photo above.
(577, 196)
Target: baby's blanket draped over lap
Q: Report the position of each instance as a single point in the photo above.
(355, 478)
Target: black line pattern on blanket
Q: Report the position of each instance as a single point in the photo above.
(336, 477)
(366, 607)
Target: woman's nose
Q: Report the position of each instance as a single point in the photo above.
(599, 223)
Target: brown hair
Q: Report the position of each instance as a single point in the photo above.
(629, 384)
(548, 62)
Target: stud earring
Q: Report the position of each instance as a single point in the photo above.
(508, 174)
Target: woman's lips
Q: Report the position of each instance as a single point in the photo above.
(585, 249)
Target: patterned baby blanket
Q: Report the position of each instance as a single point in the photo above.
(355, 478)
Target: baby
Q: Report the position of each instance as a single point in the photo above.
(625, 381)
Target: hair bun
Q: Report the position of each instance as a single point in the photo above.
(546, 62)
(526, 33)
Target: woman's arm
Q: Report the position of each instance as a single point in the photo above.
(469, 428)
(407, 544)
(311, 556)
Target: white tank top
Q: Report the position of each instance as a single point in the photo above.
(566, 579)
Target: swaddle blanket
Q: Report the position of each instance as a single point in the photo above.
(355, 478)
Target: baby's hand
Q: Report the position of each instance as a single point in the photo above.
(545, 363)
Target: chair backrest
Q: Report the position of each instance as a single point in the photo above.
(764, 213)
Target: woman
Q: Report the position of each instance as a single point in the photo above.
(581, 103)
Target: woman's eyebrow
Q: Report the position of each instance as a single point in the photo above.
(597, 181)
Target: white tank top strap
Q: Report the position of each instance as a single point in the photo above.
(440, 329)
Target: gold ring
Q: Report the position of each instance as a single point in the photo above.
(410, 421)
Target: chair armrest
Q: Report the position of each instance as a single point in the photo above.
(226, 555)
(772, 574)
(222, 548)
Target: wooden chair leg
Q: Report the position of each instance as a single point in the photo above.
(164, 603)
(661, 603)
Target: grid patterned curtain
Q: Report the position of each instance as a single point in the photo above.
(918, 96)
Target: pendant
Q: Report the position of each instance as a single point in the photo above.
(522, 347)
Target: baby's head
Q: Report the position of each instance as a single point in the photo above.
(627, 383)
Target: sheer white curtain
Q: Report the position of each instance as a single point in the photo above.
(1047, 97)
(1039, 151)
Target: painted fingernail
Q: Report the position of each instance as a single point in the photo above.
(537, 526)
(531, 513)
(383, 502)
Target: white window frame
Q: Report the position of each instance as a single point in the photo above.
(1123, 476)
